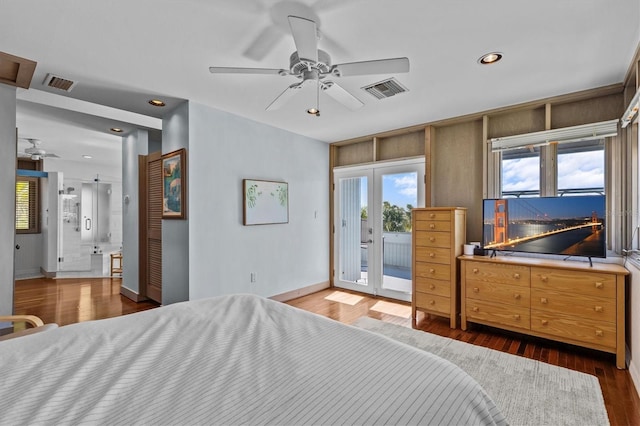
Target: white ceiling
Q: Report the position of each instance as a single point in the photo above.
(122, 53)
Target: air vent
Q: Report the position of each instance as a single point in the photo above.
(385, 88)
(59, 83)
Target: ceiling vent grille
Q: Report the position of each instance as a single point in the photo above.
(59, 83)
(385, 89)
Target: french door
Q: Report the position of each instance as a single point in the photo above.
(372, 211)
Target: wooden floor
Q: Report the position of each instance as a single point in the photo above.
(73, 300)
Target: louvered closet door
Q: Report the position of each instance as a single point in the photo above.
(154, 227)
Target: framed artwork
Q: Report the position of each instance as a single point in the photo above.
(174, 184)
(265, 202)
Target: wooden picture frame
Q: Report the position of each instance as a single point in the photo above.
(174, 174)
(265, 202)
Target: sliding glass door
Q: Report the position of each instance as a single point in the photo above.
(373, 226)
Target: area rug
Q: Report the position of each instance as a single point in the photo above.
(528, 392)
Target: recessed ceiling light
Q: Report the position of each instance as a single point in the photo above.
(157, 102)
(314, 111)
(490, 58)
(88, 157)
(116, 130)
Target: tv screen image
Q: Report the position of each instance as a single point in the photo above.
(571, 226)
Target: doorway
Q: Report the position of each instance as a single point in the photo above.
(372, 211)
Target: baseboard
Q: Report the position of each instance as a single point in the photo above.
(130, 294)
(48, 274)
(635, 376)
(284, 297)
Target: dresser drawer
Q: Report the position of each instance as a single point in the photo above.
(499, 314)
(433, 225)
(439, 215)
(500, 293)
(434, 254)
(575, 328)
(433, 239)
(433, 303)
(477, 272)
(589, 307)
(579, 282)
(431, 286)
(434, 271)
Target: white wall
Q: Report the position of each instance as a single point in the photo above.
(633, 323)
(175, 232)
(223, 150)
(133, 145)
(7, 195)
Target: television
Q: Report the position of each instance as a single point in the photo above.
(570, 225)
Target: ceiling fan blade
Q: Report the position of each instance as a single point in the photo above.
(338, 93)
(285, 96)
(236, 70)
(264, 42)
(305, 36)
(380, 66)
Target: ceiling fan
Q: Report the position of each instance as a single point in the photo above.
(34, 151)
(312, 65)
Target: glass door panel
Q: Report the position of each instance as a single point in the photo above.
(399, 196)
(353, 232)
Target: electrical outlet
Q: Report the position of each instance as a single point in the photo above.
(253, 277)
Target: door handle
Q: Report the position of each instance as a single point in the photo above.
(87, 224)
(369, 241)
(17, 246)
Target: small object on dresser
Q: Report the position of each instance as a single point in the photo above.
(479, 251)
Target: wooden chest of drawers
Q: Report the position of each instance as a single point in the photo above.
(566, 301)
(438, 237)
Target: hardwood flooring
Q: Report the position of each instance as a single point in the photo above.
(67, 301)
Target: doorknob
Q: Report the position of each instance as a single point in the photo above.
(18, 246)
(370, 241)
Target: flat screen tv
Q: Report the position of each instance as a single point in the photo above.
(571, 226)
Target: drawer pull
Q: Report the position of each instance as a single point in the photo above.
(476, 309)
(517, 296)
(598, 309)
(544, 278)
(599, 333)
(516, 316)
(476, 290)
(516, 276)
(432, 287)
(432, 302)
(475, 270)
(431, 270)
(544, 300)
(599, 285)
(544, 322)
(432, 239)
(432, 215)
(432, 255)
(432, 225)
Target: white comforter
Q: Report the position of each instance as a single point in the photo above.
(230, 360)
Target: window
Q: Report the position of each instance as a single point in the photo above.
(520, 172)
(571, 168)
(27, 205)
(581, 168)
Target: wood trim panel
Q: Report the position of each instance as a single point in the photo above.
(16, 71)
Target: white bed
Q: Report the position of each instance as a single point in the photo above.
(230, 360)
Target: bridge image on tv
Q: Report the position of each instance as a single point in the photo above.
(573, 226)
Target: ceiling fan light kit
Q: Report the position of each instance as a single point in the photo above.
(310, 64)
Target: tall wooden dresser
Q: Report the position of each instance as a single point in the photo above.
(439, 234)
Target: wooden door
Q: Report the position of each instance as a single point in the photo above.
(151, 226)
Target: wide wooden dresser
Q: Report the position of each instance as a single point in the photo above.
(567, 301)
(438, 237)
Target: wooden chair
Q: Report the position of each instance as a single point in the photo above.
(37, 325)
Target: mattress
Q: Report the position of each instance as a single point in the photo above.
(238, 359)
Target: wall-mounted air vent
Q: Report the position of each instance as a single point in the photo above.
(386, 88)
(59, 83)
